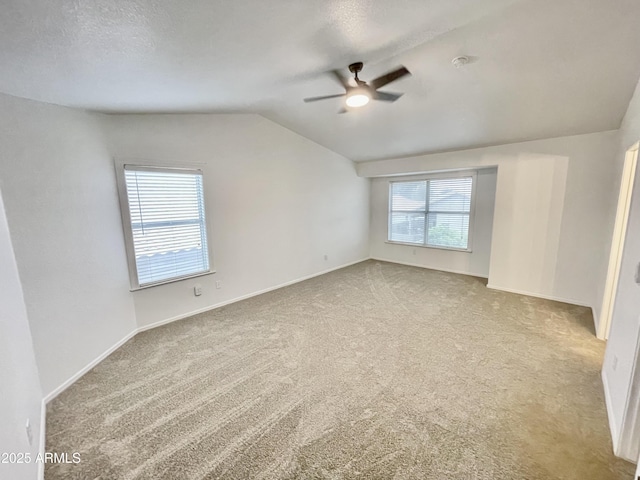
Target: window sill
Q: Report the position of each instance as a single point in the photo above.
(419, 245)
(171, 280)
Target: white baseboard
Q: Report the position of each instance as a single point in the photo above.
(57, 391)
(615, 440)
(540, 295)
(428, 267)
(42, 440)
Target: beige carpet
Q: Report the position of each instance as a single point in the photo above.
(375, 371)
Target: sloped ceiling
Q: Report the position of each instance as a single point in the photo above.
(540, 68)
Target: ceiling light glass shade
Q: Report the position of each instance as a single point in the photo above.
(359, 98)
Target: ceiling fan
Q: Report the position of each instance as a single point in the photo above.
(359, 95)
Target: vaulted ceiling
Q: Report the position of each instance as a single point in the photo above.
(539, 68)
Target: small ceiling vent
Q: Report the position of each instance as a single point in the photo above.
(460, 61)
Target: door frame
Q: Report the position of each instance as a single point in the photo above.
(617, 244)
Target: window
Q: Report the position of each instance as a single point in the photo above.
(434, 212)
(164, 224)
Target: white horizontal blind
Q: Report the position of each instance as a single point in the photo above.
(448, 212)
(168, 225)
(408, 210)
(431, 212)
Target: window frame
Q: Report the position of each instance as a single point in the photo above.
(473, 174)
(120, 165)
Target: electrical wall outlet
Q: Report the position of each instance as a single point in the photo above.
(638, 274)
(218, 283)
(29, 432)
(197, 290)
(326, 257)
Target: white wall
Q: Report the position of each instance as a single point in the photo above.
(278, 204)
(552, 220)
(625, 327)
(60, 197)
(20, 394)
(475, 262)
(276, 201)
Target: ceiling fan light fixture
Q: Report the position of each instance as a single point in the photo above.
(358, 93)
(358, 98)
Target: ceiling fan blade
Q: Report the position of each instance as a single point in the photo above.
(383, 80)
(386, 96)
(325, 97)
(342, 80)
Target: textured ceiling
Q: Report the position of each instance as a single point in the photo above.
(540, 68)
